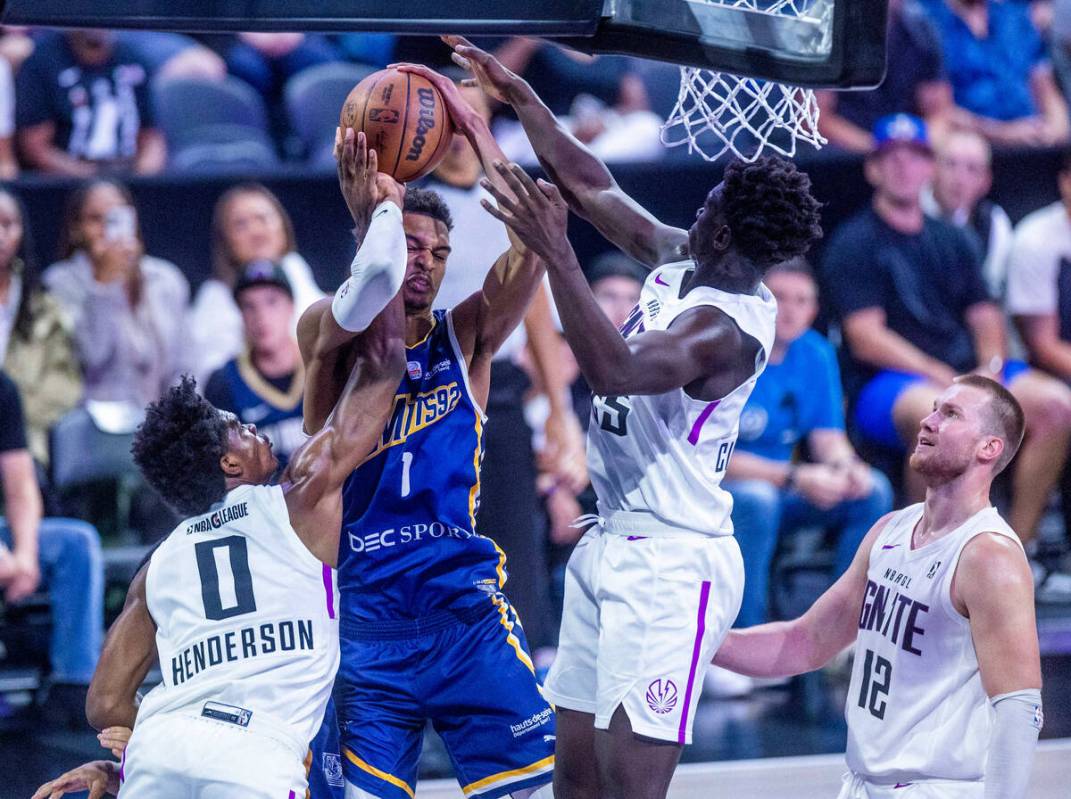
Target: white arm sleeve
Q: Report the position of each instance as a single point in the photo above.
(376, 272)
(1011, 744)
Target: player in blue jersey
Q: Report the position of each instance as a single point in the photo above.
(427, 634)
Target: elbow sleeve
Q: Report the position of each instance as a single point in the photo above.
(376, 273)
(1018, 719)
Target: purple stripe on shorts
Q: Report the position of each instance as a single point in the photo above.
(122, 768)
(330, 590)
(701, 625)
(292, 795)
(693, 437)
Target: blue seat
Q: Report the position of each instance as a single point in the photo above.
(185, 107)
(313, 100)
(222, 148)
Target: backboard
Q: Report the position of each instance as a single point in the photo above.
(812, 43)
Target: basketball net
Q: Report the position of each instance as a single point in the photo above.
(718, 112)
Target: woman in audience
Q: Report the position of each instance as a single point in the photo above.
(35, 337)
(127, 307)
(249, 224)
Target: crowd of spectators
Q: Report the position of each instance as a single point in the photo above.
(926, 281)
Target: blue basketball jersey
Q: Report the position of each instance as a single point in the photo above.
(409, 544)
(255, 400)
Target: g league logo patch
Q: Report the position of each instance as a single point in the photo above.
(333, 769)
(662, 696)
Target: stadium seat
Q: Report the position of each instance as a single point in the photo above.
(313, 98)
(92, 445)
(223, 147)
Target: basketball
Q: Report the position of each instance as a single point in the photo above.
(404, 118)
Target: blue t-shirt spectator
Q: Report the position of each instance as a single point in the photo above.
(991, 76)
(800, 394)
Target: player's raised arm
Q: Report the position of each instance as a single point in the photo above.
(375, 204)
(993, 587)
(129, 652)
(585, 182)
(314, 477)
(788, 648)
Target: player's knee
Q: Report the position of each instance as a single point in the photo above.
(1047, 406)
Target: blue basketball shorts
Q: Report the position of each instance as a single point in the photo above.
(470, 674)
(325, 760)
(874, 407)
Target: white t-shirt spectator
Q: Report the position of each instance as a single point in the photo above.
(475, 243)
(1041, 247)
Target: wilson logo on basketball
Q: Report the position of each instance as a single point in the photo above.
(425, 122)
(662, 696)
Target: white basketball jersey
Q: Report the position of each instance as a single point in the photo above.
(246, 618)
(916, 708)
(664, 455)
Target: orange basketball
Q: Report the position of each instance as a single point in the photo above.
(405, 120)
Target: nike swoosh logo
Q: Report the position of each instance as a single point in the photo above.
(658, 279)
(901, 785)
(890, 546)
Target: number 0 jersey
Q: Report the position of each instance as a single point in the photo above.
(663, 456)
(916, 708)
(245, 618)
(409, 545)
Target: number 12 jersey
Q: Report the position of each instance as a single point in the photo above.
(916, 708)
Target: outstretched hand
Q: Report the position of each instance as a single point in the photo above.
(536, 214)
(363, 185)
(488, 73)
(463, 115)
(98, 777)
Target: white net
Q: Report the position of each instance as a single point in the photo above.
(717, 112)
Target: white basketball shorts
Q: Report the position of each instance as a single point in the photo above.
(644, 615)
(856, 787)
(179, 756)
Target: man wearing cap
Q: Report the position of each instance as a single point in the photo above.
(909, 295)
(264, 384)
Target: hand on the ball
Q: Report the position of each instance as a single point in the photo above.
(488, 73)
(463, 115)
(536, 214)
(363, 185)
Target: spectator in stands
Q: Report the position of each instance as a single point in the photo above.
(83, 107)
(127, 307)
(915, 83)
(601, 99)
(1039, 300)
(1060, 44)
(248, 224)
(264, 385)
(914, 309)
(9, 166)
(62, 555)
(267, 60)
(172, 55)
(35, 338)
(962, 179)
(996, 61)
(797, 401)
(508, 501)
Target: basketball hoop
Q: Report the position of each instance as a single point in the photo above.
(718, 112)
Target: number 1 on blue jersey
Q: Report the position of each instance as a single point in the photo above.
(407, 462)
